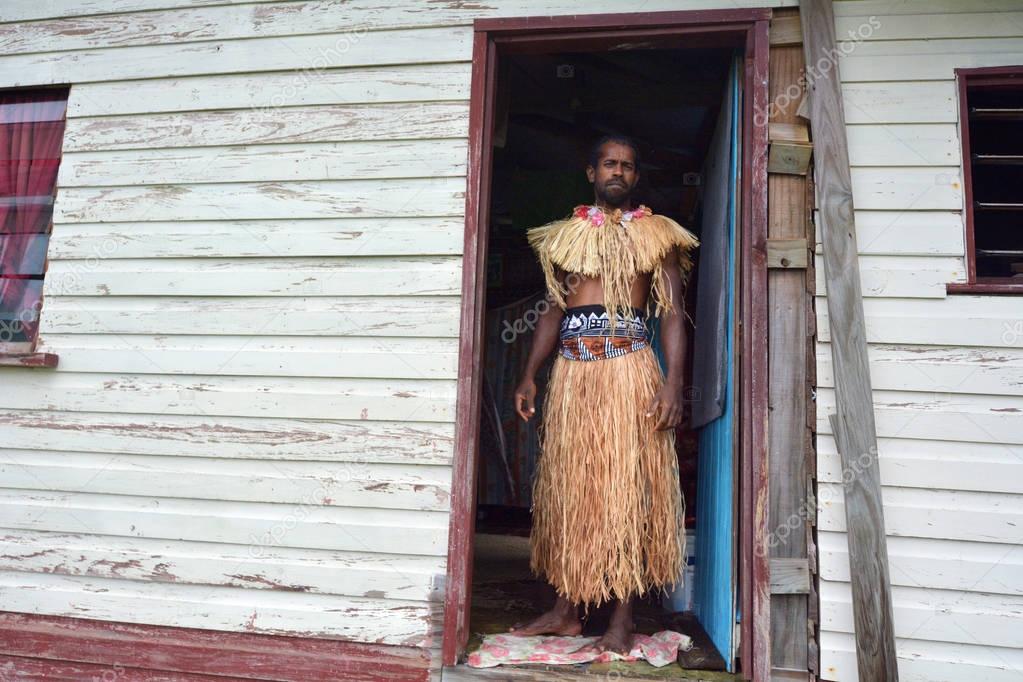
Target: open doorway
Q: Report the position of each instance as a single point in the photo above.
(679, 105)
(542, 99)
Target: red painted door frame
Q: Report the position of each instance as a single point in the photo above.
(745, 28)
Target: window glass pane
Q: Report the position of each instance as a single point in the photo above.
(28, 169)
(45, 105)
(23, 254)
(20, 215)
(19, 309)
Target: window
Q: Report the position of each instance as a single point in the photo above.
(991, 129)
(31, 136)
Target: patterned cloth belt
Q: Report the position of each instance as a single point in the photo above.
(586, 333)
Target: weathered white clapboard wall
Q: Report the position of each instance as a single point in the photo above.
(254, 292)
(947, 372)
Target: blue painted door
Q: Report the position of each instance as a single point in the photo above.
(714, 590)
(715, 585)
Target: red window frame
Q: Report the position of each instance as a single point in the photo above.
(32, 125)
(992, 76)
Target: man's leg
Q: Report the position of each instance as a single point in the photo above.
(563, 619)
(618, 637)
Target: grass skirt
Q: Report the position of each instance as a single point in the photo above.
(607, 507)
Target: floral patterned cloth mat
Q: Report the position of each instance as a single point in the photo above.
(659, 650)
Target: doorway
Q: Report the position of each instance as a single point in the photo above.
(542, 91)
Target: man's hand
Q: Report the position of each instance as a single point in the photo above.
(668, 401)
(524, 396)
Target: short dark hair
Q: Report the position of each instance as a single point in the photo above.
(594, 157)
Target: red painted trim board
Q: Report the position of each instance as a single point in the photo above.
(54, 643)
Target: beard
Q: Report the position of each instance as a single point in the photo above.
(613, 194)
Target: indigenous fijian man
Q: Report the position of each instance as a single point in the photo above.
(607, 507)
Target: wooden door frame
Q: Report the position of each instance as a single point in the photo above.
(742, 28)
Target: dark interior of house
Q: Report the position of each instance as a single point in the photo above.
(996, 147)
(550, 108)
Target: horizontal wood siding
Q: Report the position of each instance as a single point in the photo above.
(947, 372)
(253, 289)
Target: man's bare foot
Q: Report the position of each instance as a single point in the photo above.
(618, 636)
(561, 620)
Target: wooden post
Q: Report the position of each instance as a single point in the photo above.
(853, 426)
(794, 653)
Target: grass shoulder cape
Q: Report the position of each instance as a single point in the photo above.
(616, 246)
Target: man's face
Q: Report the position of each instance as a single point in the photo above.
(615, 175)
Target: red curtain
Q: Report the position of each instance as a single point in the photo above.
(31, 132)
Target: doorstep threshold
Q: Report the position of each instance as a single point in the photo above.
(578, 672)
